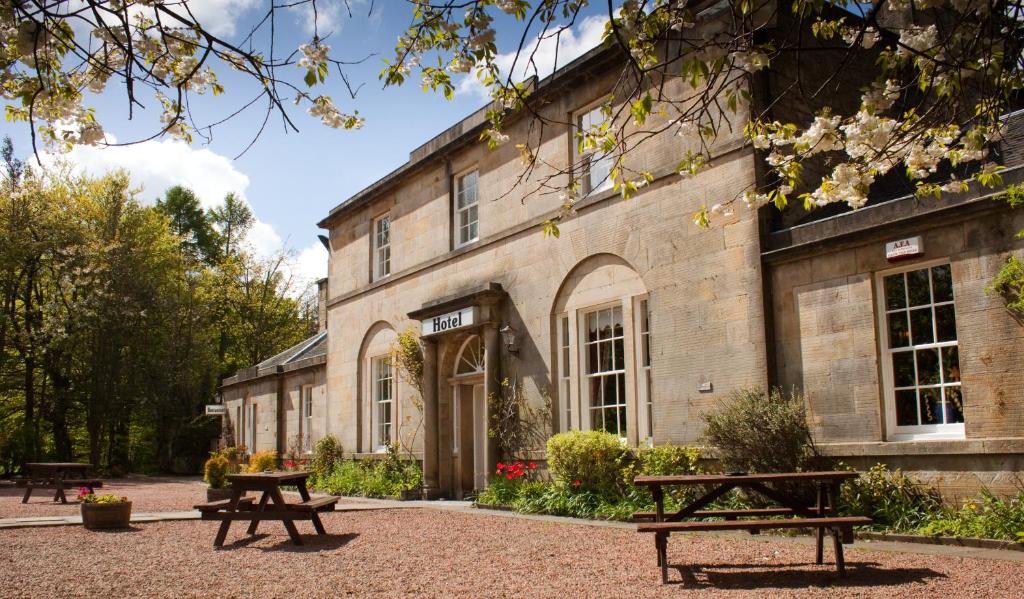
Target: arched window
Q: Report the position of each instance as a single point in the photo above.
(600, 322)
(471, 357)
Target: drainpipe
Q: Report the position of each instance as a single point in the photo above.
(282, 424)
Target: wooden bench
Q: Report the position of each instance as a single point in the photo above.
(271, 506)
(791, 513)
(244, 503)
(728, 514)
(58, 476)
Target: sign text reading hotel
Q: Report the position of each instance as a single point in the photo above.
(449, 322)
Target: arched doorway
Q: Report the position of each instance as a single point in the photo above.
(469, 418)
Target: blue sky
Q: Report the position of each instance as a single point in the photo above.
(291, 180)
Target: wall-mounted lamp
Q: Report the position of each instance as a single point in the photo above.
(508, 335)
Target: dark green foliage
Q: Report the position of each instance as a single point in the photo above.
(754, 431)
(326, 454)
(118, 320)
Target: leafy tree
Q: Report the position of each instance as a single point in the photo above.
(232, 220)
(192, 224)
(109, 322)
(909, 89)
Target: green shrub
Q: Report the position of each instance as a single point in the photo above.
(895, 501)
(234, 458)
(593, 461)
(215, 471)
(755, 431)
(326, 454)
(987, 517)
(370, 478)
(263, 460)
(666, 460)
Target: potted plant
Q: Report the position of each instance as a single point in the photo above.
(104, 511)
(215, 473)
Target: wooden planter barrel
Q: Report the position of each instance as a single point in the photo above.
(106, 515)
(217, 494)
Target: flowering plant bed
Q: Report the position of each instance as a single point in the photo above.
(104, 511)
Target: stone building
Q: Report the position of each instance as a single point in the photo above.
(636, 321)
(280, 404)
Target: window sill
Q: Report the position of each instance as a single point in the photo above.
(920, 446)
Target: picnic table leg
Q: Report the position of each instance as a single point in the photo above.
(819, 557)
(661, 542)
(59, 494)
(288, 524)
(222, 532)
(837, 543)
(317, 524)
(28, 491)
(262, 506)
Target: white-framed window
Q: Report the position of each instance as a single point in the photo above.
(467, 212)
(604, 371)
(307, 417)
(383, 401)
(644, 397)
(564, 371)
(595, 164)
(381, 247)
(921, 360)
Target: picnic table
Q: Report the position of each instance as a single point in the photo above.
(820, 516)
(271, 506)
(58, 476)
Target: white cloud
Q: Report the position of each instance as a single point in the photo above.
(311, 264)
(220, 17)
(551, 53)
(326, 19)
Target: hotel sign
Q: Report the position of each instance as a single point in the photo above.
(449, 322)
(904, 248)
(216, 410)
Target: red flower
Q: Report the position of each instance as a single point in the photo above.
(508, 476)
(500, 466)
(533, 466)
(576, 483)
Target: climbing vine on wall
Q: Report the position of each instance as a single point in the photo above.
(1009, 281)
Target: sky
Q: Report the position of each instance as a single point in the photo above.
(292, 180)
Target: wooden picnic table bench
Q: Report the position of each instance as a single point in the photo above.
(59, 476)
(271, 506)
(821, 516)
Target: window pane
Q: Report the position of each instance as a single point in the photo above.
(895, 292)
(611, 395)
(592, 326)
(906, 408)
(899, 332)
(942, 283)
(592, 366)
(931, 405)
(954, 405)
(620, 354)
(617, 321)
(903, 368)
(604, 318)
(605, 354)
(921, 326)
(917, 287)
(950, 364)
(945, 323)
(927, 366)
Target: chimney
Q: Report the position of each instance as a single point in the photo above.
(321, 305)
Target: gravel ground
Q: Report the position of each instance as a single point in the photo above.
(427, 552)
(148, 494)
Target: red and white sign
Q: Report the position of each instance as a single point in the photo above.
(902, 249)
